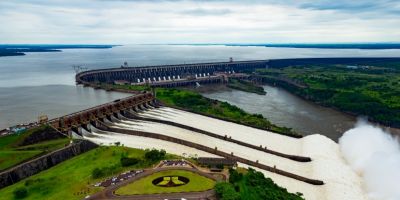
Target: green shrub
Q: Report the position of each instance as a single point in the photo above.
(126, 161)
(155, 154)
(104, 171)
(226, 191)
(20, 193)
(234, 176)
(97, 173)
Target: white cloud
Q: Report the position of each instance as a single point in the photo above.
(163, 21)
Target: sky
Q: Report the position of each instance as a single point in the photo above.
(198, 21)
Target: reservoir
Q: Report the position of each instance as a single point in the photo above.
(285, 109)
(43, 83)
(24, 104)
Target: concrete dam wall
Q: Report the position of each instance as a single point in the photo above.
(202, 72)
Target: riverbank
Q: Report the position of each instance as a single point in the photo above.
(358, 90)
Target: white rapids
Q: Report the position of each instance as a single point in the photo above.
(328, 165)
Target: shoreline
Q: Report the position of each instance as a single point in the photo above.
(7, 50)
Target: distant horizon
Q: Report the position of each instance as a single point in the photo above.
(206, 43)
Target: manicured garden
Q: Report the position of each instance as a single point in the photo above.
(145, 185)
(73, 179)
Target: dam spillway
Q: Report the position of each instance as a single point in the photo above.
(327, 164)
(312, 165)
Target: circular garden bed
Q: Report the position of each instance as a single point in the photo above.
(169, 181)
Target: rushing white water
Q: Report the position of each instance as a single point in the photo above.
(236, 131)
(328, 164)
(110, 138)
(375, 155)
(303, 169)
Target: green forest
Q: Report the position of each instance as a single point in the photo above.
(372, 91)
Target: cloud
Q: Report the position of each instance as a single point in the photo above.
(203, 12)
(195, 21)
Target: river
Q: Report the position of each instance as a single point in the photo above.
(285, 109)
(43, 83)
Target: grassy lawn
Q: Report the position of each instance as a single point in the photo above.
(46, 145)
(12, 151)
(72, 179)
(9, 140)
(11, 158)
(145, 185)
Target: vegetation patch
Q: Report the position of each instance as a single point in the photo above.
(195, 102)
(371, 90)
(20, 193)
(252, 185)
(145, 185)
(246, 86)
(18, 147)
(72, 179)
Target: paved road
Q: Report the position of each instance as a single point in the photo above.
(108, 193)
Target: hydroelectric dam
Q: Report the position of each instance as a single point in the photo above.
(312, 165)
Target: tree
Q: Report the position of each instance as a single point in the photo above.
(226, 191)
(234, 176)
(155, 154)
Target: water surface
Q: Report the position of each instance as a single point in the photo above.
(25, 104)
(285, 109)
(44, 82)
